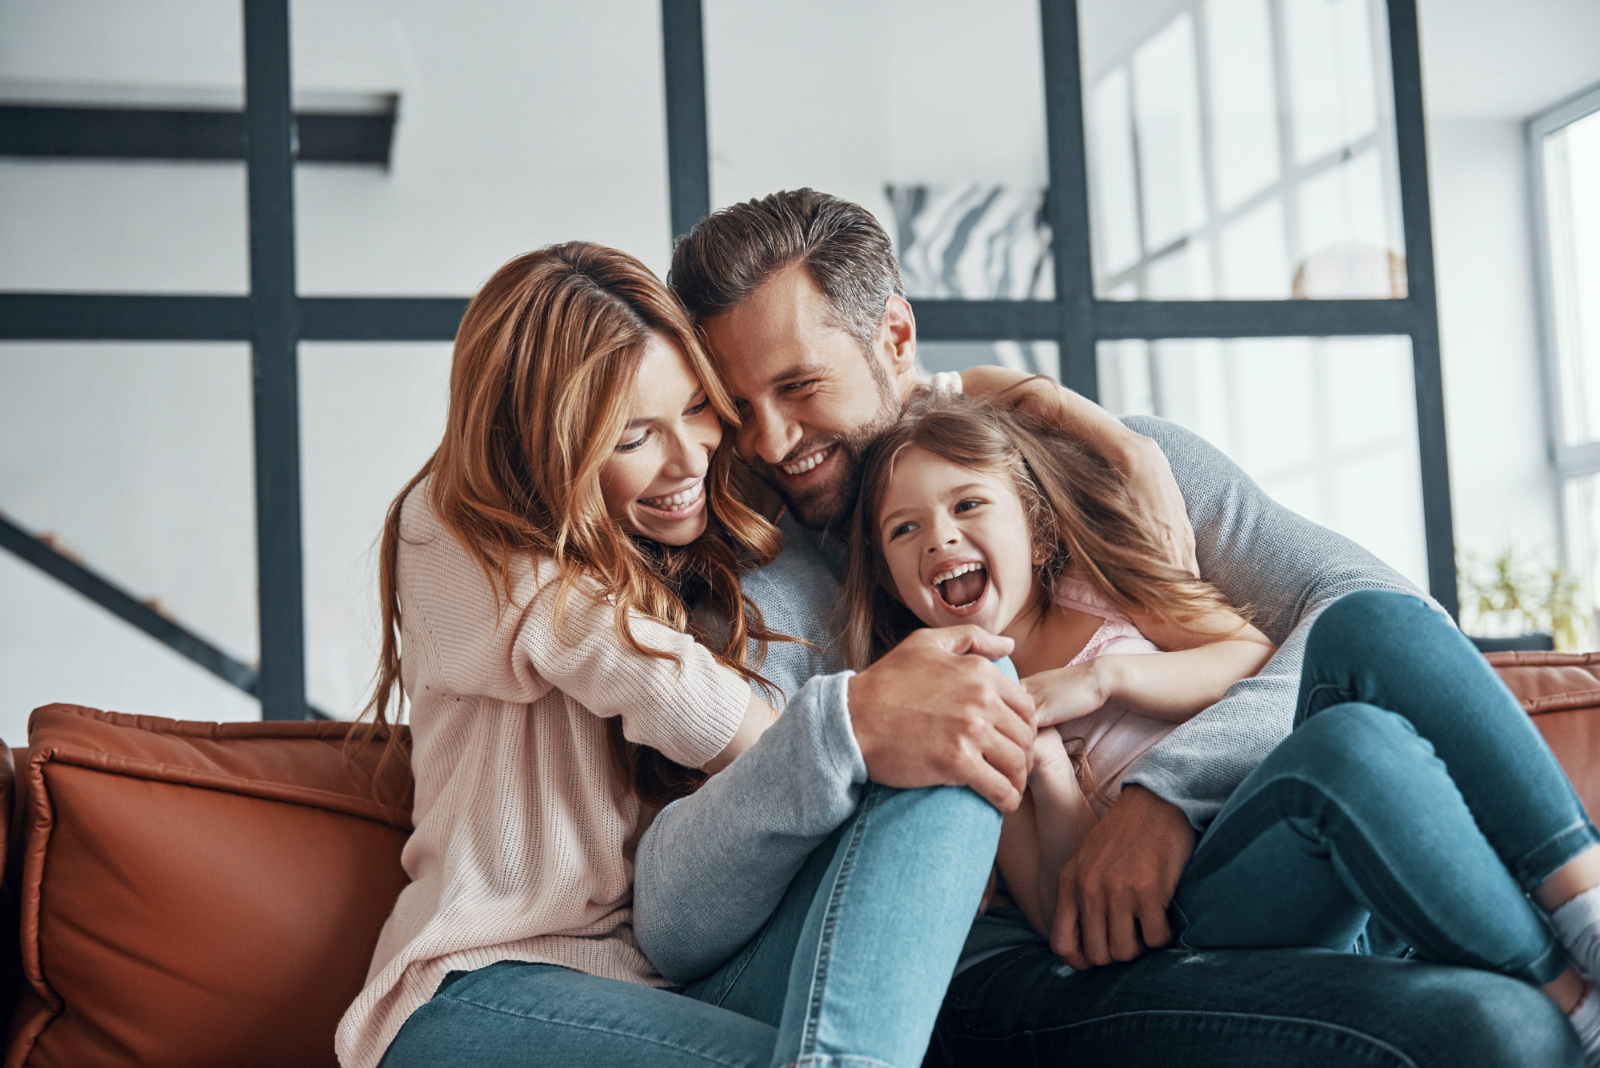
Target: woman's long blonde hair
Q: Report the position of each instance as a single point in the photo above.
(543, 366)
(1079, 510)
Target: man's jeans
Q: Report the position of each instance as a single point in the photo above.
(850, 969)
(1414, 788)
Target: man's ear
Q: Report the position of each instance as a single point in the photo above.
(899, 335)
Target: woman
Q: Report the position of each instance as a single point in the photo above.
(536, 578)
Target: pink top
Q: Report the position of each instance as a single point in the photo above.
(523, 848)
(1113, 736)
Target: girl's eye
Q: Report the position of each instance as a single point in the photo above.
(899, 529)
(629, 446)
(967, 505)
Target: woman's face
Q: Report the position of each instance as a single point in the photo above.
(956, 542)
(655, 480)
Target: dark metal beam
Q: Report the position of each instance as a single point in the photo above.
(688, 143)
(1067, 203)
(987, 320)
(1411, 139)
(1117, 319)
(275, 328)
(380, 318)
(97, 317)
(113, 599)
(52, 131)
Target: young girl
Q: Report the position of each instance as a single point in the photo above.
(973, 513)
(536, 578)
(1413, 789)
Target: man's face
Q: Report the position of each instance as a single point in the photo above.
(810, 400)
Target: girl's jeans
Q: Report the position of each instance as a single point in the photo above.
(850, 969)
(1413, 788)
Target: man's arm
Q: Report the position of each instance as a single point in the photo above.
(713, 866)
(1281, 569)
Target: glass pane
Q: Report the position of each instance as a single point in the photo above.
(1326, 426)
(519, 125)
(122, 225)
(370, 415)
(1034, 357)
(137, 460)
(1254, 136)
(1583, 560)
(1572, 196)
(930, 116)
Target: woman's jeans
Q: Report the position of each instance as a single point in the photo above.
(851, 969)
(1413, 789)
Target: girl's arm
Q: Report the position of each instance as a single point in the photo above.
(1039, 838)
(1199, 661)
(1137, 457)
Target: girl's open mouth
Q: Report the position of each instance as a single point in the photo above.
(963, 586)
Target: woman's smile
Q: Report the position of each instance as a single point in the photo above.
(654, 482)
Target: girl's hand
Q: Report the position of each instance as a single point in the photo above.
(1050, 753)
(1067, 693)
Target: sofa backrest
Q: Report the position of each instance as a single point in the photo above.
(1561, 691)
(197, 894)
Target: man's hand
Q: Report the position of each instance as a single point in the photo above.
(1126, 870)
(931, 713)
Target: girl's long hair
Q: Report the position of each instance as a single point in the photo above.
(543, 366)
(1079, 510)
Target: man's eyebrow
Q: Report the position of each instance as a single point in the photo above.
(804, 370)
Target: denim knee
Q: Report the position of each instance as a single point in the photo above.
(1353, 743)
(1387, 618)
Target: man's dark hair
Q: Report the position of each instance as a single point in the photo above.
(728, 255)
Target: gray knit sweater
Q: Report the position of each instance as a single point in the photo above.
(714, 865)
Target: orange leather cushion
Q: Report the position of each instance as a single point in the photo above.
(196, 893)
(1561, 691)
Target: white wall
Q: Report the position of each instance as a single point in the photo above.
(520, 124)
(1502, 482)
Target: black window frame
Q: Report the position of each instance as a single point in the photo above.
(274, 318)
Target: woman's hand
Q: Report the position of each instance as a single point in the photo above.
(1067, 693)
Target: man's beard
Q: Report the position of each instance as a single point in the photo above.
(830, 504)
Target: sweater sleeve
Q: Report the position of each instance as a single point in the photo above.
(685, 704)
(688, 707)
(1280, 569)
(714, 865)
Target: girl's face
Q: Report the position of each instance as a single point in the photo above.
(654, 482)
(957, 543)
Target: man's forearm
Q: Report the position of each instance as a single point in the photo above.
(713, 866)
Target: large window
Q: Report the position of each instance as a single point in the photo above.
(1564, 146)
(1211, 210)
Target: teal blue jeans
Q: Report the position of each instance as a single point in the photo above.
(850, 970)
(1413, 789)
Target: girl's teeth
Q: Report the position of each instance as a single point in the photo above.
(675, 501)
(805, 465)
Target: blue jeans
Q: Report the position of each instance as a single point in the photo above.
(1414, 788)
(850, 969)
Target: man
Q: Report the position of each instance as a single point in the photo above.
(799, 300)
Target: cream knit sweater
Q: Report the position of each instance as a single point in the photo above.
(523, 848)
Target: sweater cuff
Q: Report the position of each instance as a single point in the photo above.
(835, 732)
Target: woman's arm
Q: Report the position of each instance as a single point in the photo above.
(758, 716)
(1199, 661)
(1138, 458)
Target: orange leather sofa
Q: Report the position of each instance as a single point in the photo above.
(196, 894)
